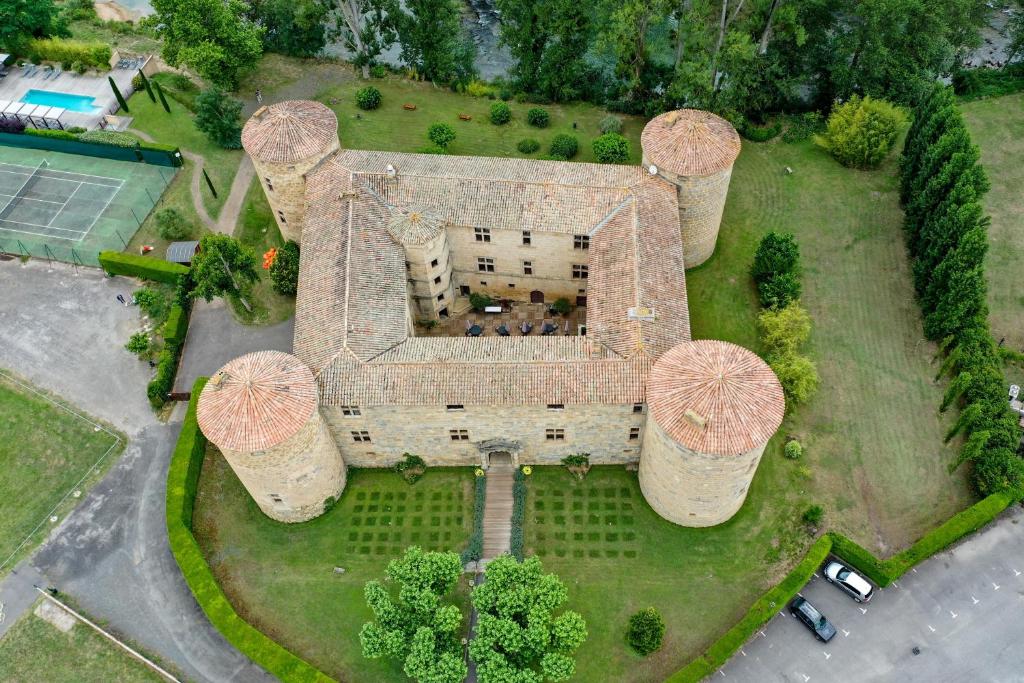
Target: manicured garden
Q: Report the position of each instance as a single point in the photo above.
(45, 448)
(283, 578)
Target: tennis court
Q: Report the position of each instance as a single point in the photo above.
(70, 207)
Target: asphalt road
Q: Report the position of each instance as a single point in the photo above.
(963, 609)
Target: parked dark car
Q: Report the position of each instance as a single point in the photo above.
(848, 581)
(812, 619)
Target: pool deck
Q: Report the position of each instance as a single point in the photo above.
(15, 85)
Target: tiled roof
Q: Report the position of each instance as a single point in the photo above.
(289, 131)
(715, 397)
(512, 349)
(414, 224)
(690, 142)
(257, 401)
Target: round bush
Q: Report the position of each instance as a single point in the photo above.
(378, 71)
(611, 148)
(538, 118)
(813, 515)
(528, 146)
(441, 134)
(861, 131)
(172, 225)
(793, 450)
(564, 145)
(137, 83)
(284, 271)
(500, 113)
(610, 124)
(368, 98)
(646, 630)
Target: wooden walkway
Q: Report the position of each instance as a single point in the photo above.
(498, 511)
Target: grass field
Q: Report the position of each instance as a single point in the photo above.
(257, 229)
(45, 450)
(280, 577)
(997, 127)
(35, 650)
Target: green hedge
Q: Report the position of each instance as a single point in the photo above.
(106, 138)
(182, 482)
(176, 326)
(475, 548)
(145, 267)
(518, 513)
(93, 54)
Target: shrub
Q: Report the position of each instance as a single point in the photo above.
(368, 98)
(477, 88)
(611, 148)
(479, 301)
(112, 138)
(610, 124)
(518, 513)
(147, 268)
(538, 118)
(784, 330)
(861, 131)
(779, 291)
(151, 301)
(171, 225)
(475, 548)
(797, 374)
(12, 126)
(776, 254)
(75, 130)
(564, 146)
(160, 386)
(284, 271)
(138, 343)
(94, 54)
(528, 146)
(441, 134)
(176, 326)
(578, 464)
(793, 450)
(219, 116)
(411, 468)
(431, 149)
(760, 133)
(500, 113)
(646, 630)
(561, 306)
(802, 127)
(137, 83)
(813, 515)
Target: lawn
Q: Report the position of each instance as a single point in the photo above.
(281, 577)
(35, 650)
(997, 127)
(46, 448)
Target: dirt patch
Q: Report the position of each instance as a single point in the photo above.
(58, 618)
(112, 11)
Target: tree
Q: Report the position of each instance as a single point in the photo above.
(626, 34)
(214, 37)
(646, 629)
(500, 113)
(366, 30)
(784, 330)
(284, 271)
(797, 375)
(219, 116)
(171, 225)
(222, 267)
(441, 134)
(138, 343)
(430, 32)
(780, 290)
(417, 628)
(117, 94)
(23, 20)
(1015, 28)
(297, 28)
(518, 638)
(777, 253)
(861, 132)
(611, 148)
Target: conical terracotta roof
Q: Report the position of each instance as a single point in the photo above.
(715, 397)
(414, 224)
(257, 401)
(289, 131)
(690, 142)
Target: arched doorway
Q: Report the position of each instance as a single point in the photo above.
(503, 458)
(536, 297)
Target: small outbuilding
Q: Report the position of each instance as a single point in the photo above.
(182, 252)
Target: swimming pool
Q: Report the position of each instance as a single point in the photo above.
(65, 100)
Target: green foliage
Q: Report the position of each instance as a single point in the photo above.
(138, 343)
(561, 306)
(518, 637)
(610, 124)
(646, 630)
(23, 20)
(417, 628)
(441, 134)
(611, 148)
(182, 483)
(219, 117)
(121, 102)
(528, 146)
(538, 118)
(179, 87)
(803, 127)
(297, 28)
(284, 271)
(793, 450)
(984, 82)
(143, 83)
(112, 138)
(577, 460)
(784, 330)
(780, 291)
(564, 146)
(430, 33)
(518, 513)
(159, 388)
(861, 132)
(500, 113)
(813, 515)
(475, 548)
(222, 266)
(798, 376)
(760, 133)
(368, 98)
(171, 225)
(411, 467)
(214, 37)
(96, 55)
(144, 267)
(151, 301)
(479, 301)
(776, 254)
(176, 326)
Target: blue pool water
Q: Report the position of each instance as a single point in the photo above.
(80, 103)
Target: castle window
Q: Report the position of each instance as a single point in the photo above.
(485, 265)
(270, 185)
(527, 267)
(482, 234)
(556, 406)
(440, 297)
(554, 434)
(433, 264)
(459, 434)
(483, 283)
(350, 411)
(638, 407)
(464, 290)
(634, 433)
(437, 280)
(527, 237)
(580, 242)
(361, 436)
(454, 408)
(280, 215)
(579, 272)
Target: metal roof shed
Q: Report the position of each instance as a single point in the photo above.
(182, 252)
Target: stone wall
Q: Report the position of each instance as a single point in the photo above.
(427, 282)
(690, 488)
(602, 430)
(290, 481)
(285, 187)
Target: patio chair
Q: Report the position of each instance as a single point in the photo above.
(31, 71)
(502, 330)
(525, 328)
(548, 328)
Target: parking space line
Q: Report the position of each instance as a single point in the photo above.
(1016, 573)
(995, 586)
(975, 600)
(930, 627)
(863, 610)
(953, 613)
(827, 656)
(846, 634)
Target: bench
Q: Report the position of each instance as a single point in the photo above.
(465, 117)
(409, 107)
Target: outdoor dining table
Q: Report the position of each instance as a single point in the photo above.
(474, 331)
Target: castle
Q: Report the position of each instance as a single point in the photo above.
(391, 241)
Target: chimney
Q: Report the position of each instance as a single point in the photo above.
(695, 419)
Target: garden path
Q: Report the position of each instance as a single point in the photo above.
(498, 511)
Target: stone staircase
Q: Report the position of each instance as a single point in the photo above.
(498, 511)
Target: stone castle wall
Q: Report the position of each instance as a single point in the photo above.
(291, 480)
(427, 295)
(285, 188)
(602, 430)
(690, 488)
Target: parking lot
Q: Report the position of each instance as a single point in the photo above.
(963, 610)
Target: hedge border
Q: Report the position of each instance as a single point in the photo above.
(147, 268)
(182, 483)
(475, 548)
(518, 513)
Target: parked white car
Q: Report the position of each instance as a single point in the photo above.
(849, 581)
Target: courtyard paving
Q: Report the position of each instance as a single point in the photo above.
(513, 315)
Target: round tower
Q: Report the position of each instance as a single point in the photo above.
(694, 150)
(712, 407)
(421, 233)
(285, 141)
(262, 411)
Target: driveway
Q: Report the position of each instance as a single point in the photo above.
(65, 332)
(963, 611)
